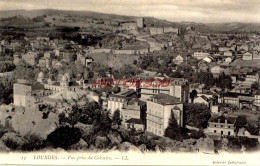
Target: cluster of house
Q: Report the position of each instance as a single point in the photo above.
(141, 107)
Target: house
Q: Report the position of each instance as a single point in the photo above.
(208, 59)
(214, 109)
(216, 70)
(228, 53)
(247, 56)
(256, 55)
(223, 49)
(116, 101)
(135, 109)
(251, 77)
(200, 55)
(159, 110)
(221, 126)
(228, 59)
(202, 100)
(30, 57)
(137, 124)
(178, 60)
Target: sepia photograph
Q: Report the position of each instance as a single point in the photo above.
(123, 82)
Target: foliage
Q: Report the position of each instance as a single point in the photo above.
(241, 122)
(6, 67)
(196, 115)
(196, 134)
(204, 78)
(234, 144)
(63, 137)
(24, 71)
(252, 129)
(224, 81)
(173, 130)
(116, 118)
(33, 143)
(6, 89)
(10, 143)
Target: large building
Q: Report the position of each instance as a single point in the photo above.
(221, 125)
(159, 110)
(27, 94)
(177, 87)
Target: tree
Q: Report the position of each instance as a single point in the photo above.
(224, 81)
(196, 115)
(116, 118)
(240, 122)
(173, 130)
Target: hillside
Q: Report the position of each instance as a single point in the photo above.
(85, 18)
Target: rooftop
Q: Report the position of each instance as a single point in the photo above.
(165, 99)
(222, 118)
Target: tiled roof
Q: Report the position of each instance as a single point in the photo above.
(222, 118)
(165, 99)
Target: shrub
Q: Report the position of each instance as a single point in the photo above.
(34, 143)
(63, 137)
(10, 143)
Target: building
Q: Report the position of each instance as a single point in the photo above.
(30, 57)
(156, 31)
(159, 110)
(247, 56)
(216, 71)
(28, 95)
(202, 100)
(228, 53)
(178, 60)
(128, 26)
(140, 22)
(116, 101)
(177, 87)
(134, 108)
(200, 55)
(221, 126)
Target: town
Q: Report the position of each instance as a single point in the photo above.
(80, 82)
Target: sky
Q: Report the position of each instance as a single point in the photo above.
(204, 11)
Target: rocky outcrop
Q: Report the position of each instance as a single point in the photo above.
(114, 138)
(127, 146)
(79, 145)
(101, 142)
(3, 147)
(205, 145)
(14, 138)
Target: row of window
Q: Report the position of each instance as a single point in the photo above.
(222, 132)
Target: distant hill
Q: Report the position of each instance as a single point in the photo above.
(20, 21)
(24, 18)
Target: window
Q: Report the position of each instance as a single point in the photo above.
(215, 125)
(215, 131)
(221, 132)
(228, 126)
(221, 126)
(229, 133)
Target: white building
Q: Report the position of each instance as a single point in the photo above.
(159, 110)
